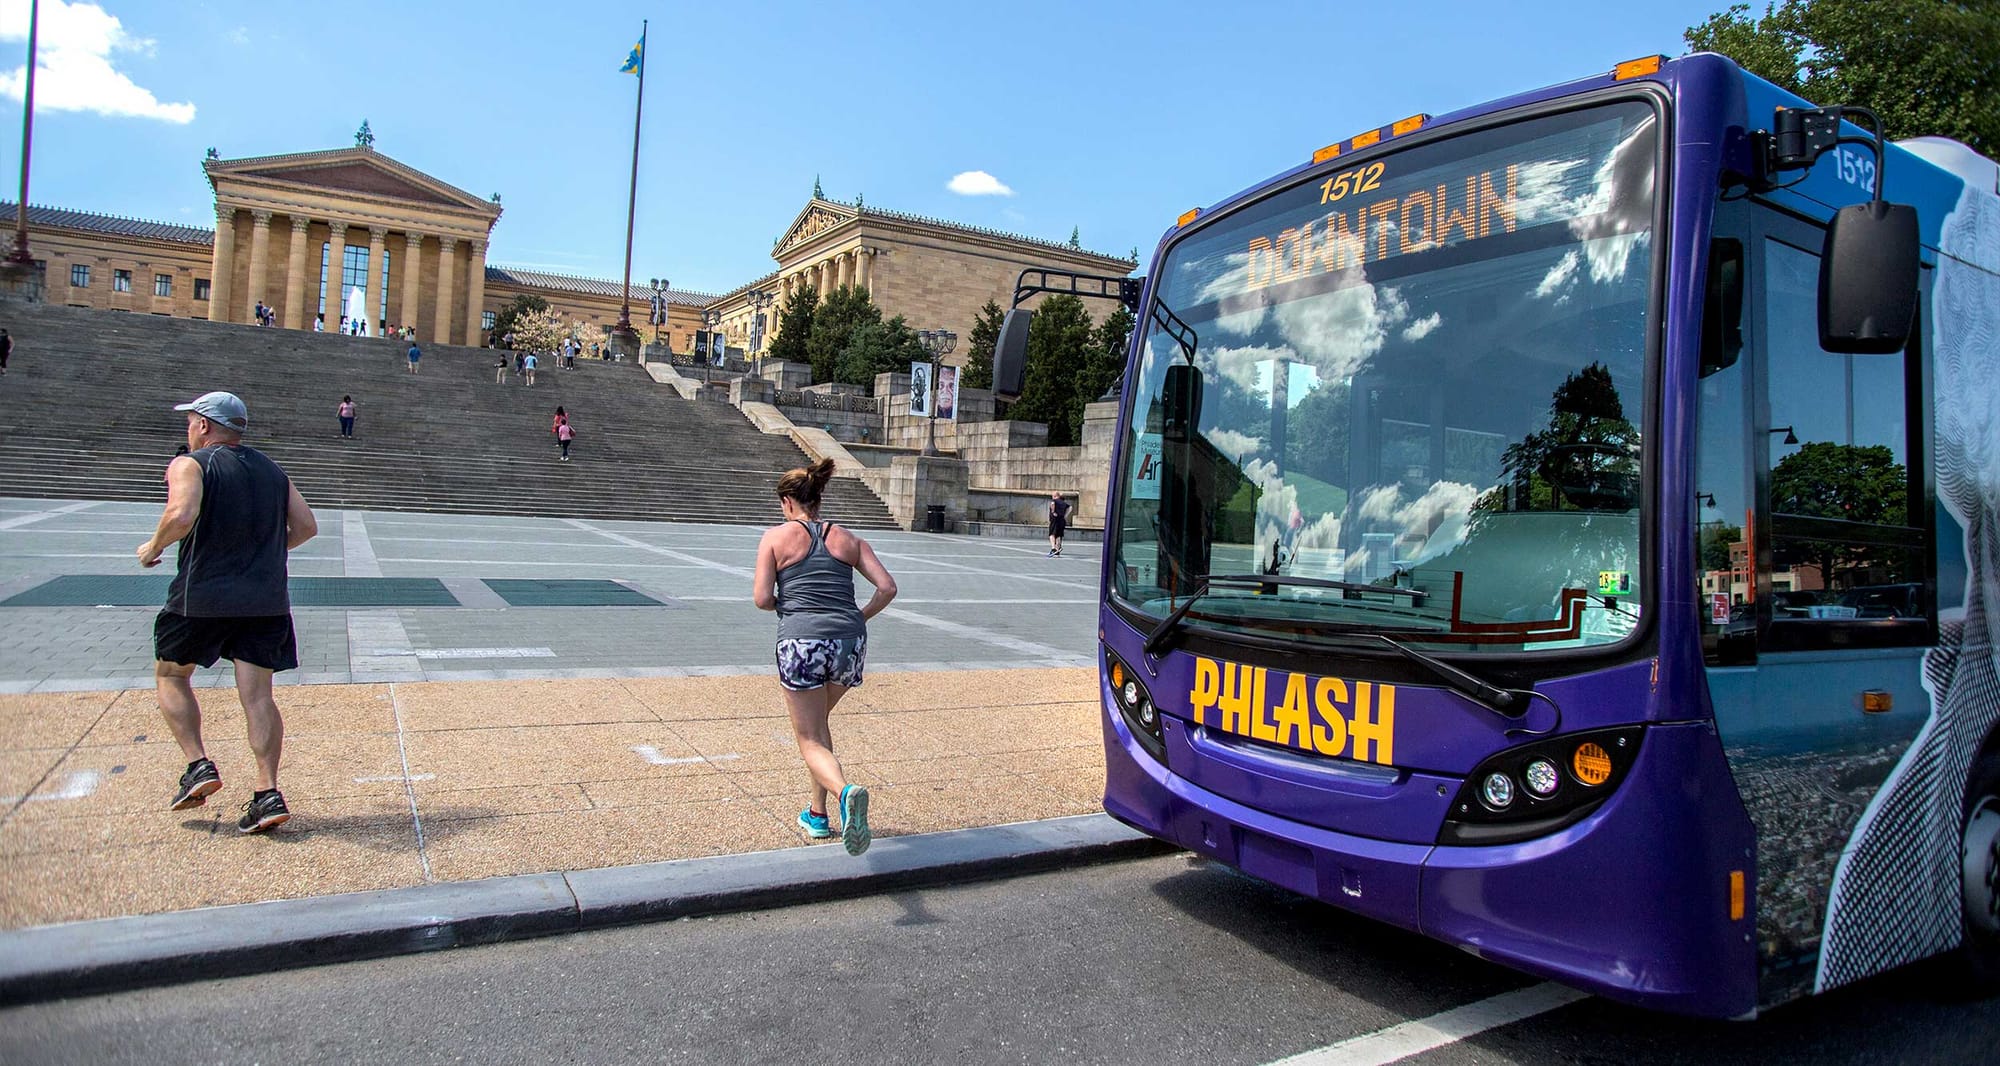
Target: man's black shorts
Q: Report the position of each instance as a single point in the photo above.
(266, 641)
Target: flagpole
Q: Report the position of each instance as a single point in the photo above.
(632, 201)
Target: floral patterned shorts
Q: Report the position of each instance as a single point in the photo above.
(804, 665)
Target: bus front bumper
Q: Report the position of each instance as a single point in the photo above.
(1631, 904)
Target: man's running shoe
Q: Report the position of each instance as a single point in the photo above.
(815, 825)
(261, 814)
(200, 781)
(854, 819)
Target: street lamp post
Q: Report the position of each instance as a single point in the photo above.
(658, 316)
(758, 300)
(937, 343)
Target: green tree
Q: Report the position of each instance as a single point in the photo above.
(795, 327)
(979, 345)
(505, 318)
(1925, 66)
(1103, 363)
(833, 326)
(1853, 483)
(1715, 541)
(1056, 349)
(879, 347)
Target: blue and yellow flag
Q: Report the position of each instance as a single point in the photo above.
(637, 59)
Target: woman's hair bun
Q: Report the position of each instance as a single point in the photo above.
(821, 472)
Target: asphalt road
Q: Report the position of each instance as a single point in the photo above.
(1162, 960)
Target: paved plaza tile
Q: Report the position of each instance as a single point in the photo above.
(655, 600)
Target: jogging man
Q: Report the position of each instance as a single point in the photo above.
(235, 515)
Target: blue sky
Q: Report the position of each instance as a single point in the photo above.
(1111, 118)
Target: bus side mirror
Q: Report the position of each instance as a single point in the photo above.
(1181, 400)
(1868, 279)
(1010, 355)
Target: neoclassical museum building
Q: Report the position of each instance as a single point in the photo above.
(300, 233)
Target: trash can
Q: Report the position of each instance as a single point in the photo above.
(934, 518)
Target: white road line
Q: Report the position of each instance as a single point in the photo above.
(356, 552)
(992, 573)
(485, 653)
(554, 564)
(403, 753)
(1416, 1037)
(652, 755)
(394, 777)
(30, 519)
(906, 599)
(377, 642)
(632, 542)
(76, 785)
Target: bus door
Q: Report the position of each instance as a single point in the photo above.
(1815, 570)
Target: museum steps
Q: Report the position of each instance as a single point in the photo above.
(85, 413)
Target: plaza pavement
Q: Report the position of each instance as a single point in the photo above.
(449, 743)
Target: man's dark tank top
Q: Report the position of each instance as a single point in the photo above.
(232, 564)
(816, 595)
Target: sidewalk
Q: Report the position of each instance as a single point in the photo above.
(396, 785)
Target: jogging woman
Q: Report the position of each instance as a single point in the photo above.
(805, 572)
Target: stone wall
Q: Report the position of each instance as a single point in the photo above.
(184, 263)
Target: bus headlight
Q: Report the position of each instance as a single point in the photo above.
(1538, 788)
(1135, 705)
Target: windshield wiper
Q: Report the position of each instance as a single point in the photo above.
(1508, 703)
(1417, 596)
(1163, 632)
(1505, 702)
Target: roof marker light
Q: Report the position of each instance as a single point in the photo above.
(1331, 151)
(1189, 215)
(1637, 68)
(1409, 125)
(1365, 140)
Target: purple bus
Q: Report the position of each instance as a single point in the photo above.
(1567, 528)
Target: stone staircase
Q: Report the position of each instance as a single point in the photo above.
(86, 413)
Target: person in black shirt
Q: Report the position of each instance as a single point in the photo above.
(1058, 522)
(235, 515)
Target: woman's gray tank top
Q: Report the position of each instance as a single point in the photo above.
(816, 595)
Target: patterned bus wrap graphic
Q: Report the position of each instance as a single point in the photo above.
(1890, 900)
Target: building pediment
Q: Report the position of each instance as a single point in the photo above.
(817, 217)
(351, 171)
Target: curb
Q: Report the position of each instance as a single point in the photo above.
(115, 954)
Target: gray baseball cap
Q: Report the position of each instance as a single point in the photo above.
(225, 409)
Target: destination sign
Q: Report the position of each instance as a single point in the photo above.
(1371, 226)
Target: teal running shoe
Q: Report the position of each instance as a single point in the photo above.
(854, 819)
(815, 825)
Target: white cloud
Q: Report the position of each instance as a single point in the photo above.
(75, 42)
(977, 183)
(239, 36)
(1423, 327)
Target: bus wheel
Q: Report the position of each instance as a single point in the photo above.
(1979, 955)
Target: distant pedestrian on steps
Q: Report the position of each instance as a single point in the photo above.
(346, 412)
(564, 434)
(416, 354)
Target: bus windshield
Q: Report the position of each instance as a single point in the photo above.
(1418, 383)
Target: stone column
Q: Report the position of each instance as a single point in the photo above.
(377, 287)
(222, 268)
(260, 249)
(336, 257)
(865, 262)
(475, 294)
(413, 279)
(447, 250)
(825, 271)
(295, 275)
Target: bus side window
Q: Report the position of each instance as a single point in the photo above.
(1847, 557)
